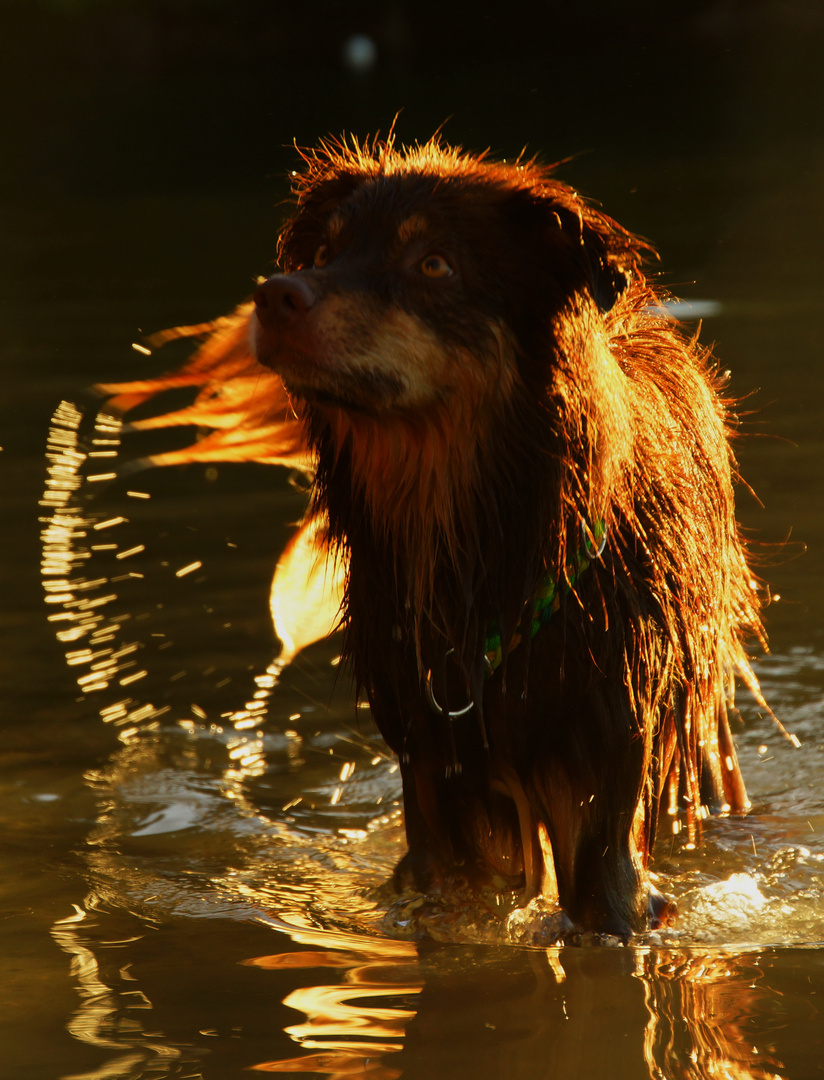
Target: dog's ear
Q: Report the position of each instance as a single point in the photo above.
(582, 247)
(608, 280)
(604, 255)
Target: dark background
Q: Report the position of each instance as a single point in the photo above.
(109, 96)
(114, 95)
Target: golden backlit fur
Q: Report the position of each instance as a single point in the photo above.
(484, 378)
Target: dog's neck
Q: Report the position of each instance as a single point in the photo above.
(444, 531)
(414, 478)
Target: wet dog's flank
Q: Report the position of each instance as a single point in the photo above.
(527, 467)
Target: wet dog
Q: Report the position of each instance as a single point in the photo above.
(524, 466)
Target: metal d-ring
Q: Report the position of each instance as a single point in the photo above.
(435, 705)
(588, 537)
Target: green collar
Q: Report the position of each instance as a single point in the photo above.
(546, 602)
(547, 599)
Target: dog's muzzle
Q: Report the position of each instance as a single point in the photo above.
(283, 299)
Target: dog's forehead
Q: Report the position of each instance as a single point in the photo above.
(414, 226)
(401, 208)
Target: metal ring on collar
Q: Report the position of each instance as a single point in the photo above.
(436, 706)
(591, 551)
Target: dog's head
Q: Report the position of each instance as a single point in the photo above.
(427, 276)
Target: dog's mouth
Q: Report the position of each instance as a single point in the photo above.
(325, 386)
(328, 370)
(327, 399)
(332, 401)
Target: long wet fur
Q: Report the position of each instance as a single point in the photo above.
(472, 429)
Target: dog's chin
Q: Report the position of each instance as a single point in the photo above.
(368, 391)
(320, 397)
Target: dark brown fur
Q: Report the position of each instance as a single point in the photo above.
(479, 365)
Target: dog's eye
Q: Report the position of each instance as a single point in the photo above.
(321, 257)
(435, 266)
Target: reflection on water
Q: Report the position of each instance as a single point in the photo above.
(352, 1025)
(703, 1010)
(382, 1008)
(107, 1017)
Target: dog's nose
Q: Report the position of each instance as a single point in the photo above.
(282, 299)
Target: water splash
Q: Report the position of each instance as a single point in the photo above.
(82, 606)
(329, 794)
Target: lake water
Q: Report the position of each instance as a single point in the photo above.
(187, 895)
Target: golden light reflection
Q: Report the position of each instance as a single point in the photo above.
(679, 1015)
(702, 1009)
(354, 1024)
(66, 538)
(108, 1017)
